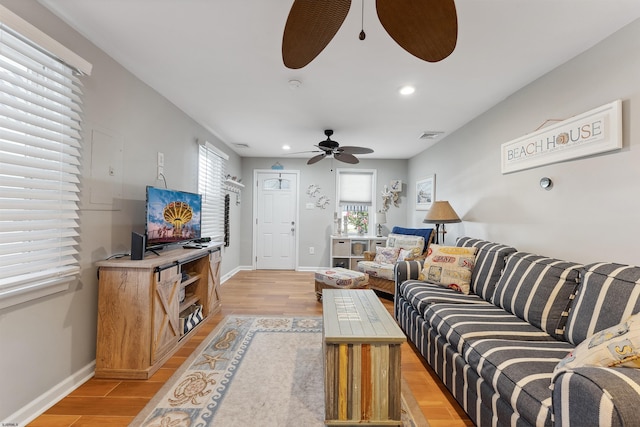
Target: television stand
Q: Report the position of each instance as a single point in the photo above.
(141, 317)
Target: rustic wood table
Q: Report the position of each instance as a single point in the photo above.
(362, 375)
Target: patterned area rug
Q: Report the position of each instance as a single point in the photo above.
(253, 371)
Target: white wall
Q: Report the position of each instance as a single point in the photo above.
(316, 224)
(46, 341)
(591, 214)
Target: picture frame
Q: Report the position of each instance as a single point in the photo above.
(425, 193)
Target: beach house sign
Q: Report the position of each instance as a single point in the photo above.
(595, 131)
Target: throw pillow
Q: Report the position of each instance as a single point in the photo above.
(615, 346)
(449, 266)
(406, 253)
(386, 255)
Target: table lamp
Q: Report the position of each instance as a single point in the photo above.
(441, 212)
(381, 218)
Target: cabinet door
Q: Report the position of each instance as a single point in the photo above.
(213, 296)
(166, 304)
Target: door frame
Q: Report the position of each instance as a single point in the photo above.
(254, 218)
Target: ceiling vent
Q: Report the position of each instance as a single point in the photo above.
(241, 145)
(429, 134)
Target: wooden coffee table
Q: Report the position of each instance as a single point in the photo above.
(361, 344)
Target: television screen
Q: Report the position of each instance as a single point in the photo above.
(172, 216)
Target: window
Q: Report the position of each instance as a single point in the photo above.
(40, 100)
(355, 189)
(211, 172)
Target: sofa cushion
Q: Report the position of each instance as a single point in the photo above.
(386, 255)
(520, 372)
(422, 294)
(490, 261)
(449, 266)
(373, 269)
(608, 293)
(426, 233)
(538, 289)
(461, 324)
(400, 241)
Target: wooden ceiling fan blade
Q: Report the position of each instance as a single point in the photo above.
(316, 159)
(355, 150)
(427, 29)
(310, 27)
(346, 157)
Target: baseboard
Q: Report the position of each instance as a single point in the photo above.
(39, 405)
(312, 269)
(233, 272)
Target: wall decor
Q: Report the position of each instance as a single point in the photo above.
(389, 196)
(323, 202)
(425, 193)
(313, 190)
(596, 131)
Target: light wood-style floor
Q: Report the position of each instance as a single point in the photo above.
(114, 403)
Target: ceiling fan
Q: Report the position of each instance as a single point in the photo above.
(344, 154)
(427, 29)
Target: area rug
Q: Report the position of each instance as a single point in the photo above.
(253, 371)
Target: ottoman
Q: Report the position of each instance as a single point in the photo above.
(339, 278)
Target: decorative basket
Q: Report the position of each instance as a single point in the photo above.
(192, 316)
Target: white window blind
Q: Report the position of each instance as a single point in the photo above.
(40, 121)
(355, 187)
(211, 172)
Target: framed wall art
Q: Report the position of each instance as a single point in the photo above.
(425, 193)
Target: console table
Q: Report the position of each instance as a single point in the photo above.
(143, 305)
(361, 342)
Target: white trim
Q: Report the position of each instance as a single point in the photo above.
(36, 36)
(40, 404)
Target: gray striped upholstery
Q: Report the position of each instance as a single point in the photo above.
(498, 362)
(597, 396)
(463, 323)
(608, 289)
(422, 294)
(490, 261)
(520, 371)
(539, 290)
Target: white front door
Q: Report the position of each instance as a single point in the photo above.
(276, 220)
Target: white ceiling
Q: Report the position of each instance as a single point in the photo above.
(220, 62)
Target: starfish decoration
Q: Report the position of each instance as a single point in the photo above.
(211, 360)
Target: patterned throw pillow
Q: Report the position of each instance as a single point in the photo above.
(449, 266)
(615, 346)
(386, 255)
(406, 253)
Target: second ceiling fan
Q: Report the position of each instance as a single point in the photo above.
(344, 154)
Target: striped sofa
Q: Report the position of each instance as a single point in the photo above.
(496, 349)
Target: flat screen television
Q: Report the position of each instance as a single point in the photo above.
(172, 217)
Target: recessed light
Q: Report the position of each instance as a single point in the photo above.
(286, 147)
(407, 90)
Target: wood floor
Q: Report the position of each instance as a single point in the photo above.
(114, 403)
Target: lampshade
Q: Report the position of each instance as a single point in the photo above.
(441, 212)
(381, 217)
